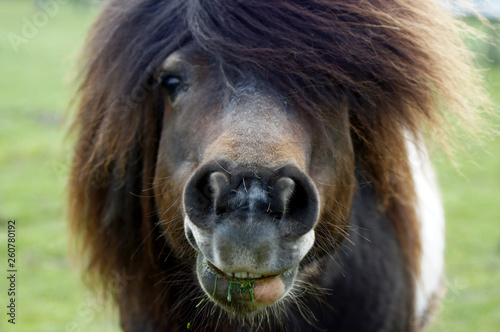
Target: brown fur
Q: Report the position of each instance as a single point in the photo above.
(395, 67)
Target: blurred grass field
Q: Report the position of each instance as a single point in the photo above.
(35, 89)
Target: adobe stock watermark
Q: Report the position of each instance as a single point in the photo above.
(31, 25)
(454, 289)
(88, 310)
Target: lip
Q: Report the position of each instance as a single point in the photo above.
(242, 296)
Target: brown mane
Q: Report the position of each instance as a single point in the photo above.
(399, 67)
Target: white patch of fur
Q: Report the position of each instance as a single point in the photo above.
(304, 244)
(202, 241)
(429, 209)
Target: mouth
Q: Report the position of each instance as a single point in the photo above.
(243, 293)
(241, 276)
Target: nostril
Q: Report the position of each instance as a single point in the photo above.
(199, 197)
(218, 182)
(302, 201)
(287, 196)
(203, 193)
(285, 188)
(298, 203)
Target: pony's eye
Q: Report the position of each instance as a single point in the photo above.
(173, 85)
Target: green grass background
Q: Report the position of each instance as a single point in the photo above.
(35, 89)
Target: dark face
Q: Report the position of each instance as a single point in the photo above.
(252, 176)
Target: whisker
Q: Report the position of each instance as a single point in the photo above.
(143, 241)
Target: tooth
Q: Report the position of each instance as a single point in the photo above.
(244, 275)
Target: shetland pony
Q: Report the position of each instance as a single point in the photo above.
(260, 165)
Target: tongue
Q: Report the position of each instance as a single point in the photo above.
(270, 291)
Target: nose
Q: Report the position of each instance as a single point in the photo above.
(285, 196)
